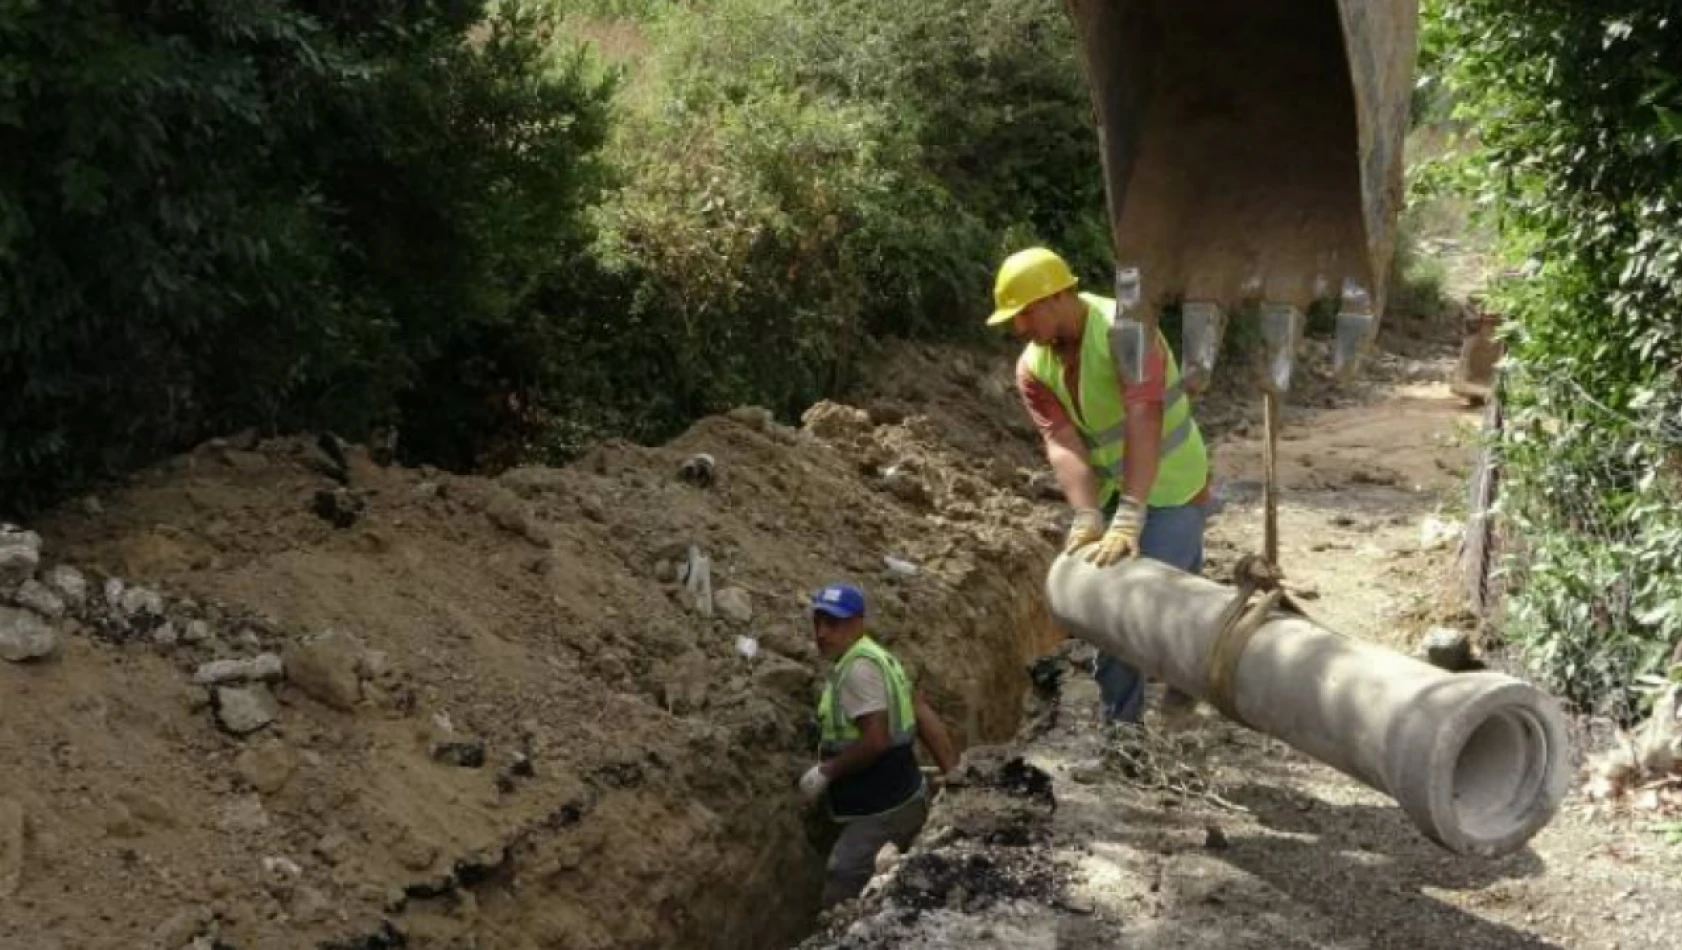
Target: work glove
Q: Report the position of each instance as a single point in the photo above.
(1087, 528)
(813, 783)
(1122, 540)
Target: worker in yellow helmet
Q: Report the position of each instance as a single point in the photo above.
(1127, 453)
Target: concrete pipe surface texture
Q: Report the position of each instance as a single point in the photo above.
(1479, 761)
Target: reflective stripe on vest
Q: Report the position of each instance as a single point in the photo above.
(1183, 466)
(839, 732)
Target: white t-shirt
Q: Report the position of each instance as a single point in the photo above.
(863, 690)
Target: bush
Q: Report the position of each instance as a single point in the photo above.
(805, 176)
(275, 213)
(1577, 113)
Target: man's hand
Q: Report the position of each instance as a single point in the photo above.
(1087, 528)
(1122, 540)
(813, 783)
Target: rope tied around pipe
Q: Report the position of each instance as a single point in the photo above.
(1243, 616)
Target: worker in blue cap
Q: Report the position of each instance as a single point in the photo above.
(869, 718)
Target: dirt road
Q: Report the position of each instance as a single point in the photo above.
(1218, 837)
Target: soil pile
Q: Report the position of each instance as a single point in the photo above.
(296, 698)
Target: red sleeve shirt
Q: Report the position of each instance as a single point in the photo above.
(1048, 414)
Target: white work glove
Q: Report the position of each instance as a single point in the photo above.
(813, 783)
(1087, 528)
(1122, 540)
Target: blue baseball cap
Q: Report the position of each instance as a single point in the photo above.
(840, 601)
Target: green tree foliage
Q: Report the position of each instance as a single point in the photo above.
(1577, 114)
(805, 176)
(223, 213)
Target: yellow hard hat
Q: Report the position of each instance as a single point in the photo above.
(1025, 277)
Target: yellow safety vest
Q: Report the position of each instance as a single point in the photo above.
(838, 731)
(1102, 416)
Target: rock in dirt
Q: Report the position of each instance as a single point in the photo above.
(243, 814)
(757, 418)
(38, 597)
(697, 470)
(509, 513)
(11, 847)
(263, 668)
(463, 753)
(25, 636)
(20, 555)
(831, 421)
(69, 584)
(179, 929)
(339, 507)
(734, 605)
(782, 676)
(324, 668)
(267, 767)
(1449, 649)
(140, 602)
(245, 709)
(528, 481)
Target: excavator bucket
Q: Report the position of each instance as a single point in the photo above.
(1252, 154)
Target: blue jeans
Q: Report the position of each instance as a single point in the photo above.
(1173, 536)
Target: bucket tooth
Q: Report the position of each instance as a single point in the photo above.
(1202, 326)
(1281, 327)
(1127, 339)
(1355, 325)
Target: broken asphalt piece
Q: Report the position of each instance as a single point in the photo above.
(697, 470)
(467, 754)
(339, 507)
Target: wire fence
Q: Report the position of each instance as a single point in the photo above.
(1573, 550)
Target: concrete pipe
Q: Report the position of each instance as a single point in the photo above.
(1478, 760)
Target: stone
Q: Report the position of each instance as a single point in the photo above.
(530, 480)
(310, 906)
(166, 635)
(508, 513)
(20, 555)
(180, 928)
(339, 506)
(11, 847)
(1449, 649)
(777, 674)
(25, 636)
(245, 709)
(757, 418)
(324, 668)
(38, 597)
(140, 602)
(331, 848)
(197, 631)
(467, 754)
(263, 668)
(374, 664)
(734, 604)
(266, 767)
(69, 584)
(146, 808)
(242, 814)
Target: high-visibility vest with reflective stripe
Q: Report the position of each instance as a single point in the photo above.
(894, 778)
(839, 732)
(1101, 418)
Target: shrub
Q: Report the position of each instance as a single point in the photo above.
(275, 213)
(1577, 112)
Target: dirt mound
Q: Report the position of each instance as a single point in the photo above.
(310, 700)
